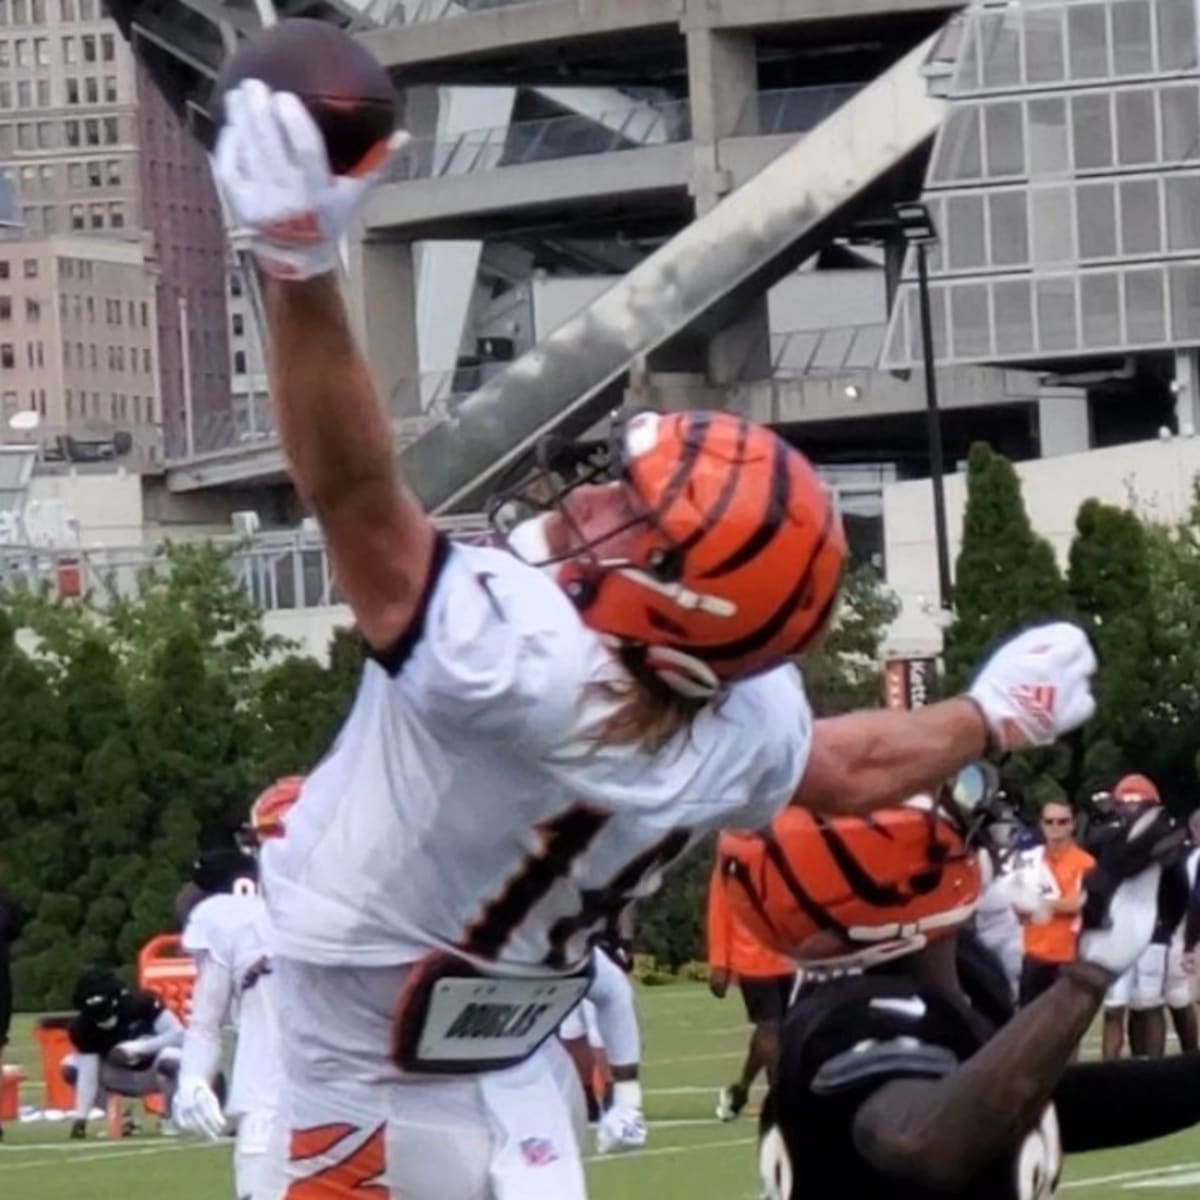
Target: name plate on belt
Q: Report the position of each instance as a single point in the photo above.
(465, 1024)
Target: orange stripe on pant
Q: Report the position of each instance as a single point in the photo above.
(350, 1178)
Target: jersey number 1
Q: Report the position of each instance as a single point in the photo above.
(563, 839)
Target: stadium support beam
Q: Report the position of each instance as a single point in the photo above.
(723, 84)
(382, 299)
(692, 285)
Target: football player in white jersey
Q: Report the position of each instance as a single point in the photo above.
(226, 930)
(603, 1029)
(541, 729)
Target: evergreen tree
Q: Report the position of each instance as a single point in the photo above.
(1006, 576)
(842, 673)
(1110, 585)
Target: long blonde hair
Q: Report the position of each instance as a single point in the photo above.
(647, 713)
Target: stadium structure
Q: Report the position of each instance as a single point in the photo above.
(693, 202)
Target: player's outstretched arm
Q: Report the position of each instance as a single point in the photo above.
(273, 170)
(1105, 1104)
(1031, 691)
(868, 760)
(942, 1132)
(339, 445)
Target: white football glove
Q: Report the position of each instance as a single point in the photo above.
(621, 1128)
(197, 1109)
(1037, 686)
(272, 167)
(1122, 905)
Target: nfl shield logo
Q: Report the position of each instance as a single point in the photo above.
(538, 1151)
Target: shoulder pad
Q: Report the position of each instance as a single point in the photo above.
(875, 1059)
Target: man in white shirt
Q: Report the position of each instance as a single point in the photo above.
(226, 931)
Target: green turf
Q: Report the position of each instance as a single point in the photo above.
(693, 1044)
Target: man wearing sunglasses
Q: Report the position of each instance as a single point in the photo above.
(1055, 869)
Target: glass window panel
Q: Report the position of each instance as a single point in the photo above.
(958, 153)
(1182, 194)
(1136, 139)
(1009, 220)
(1100, 308)
(1185, 302)
(1133, 49)
(964, 232)
(1056, 314)
(1087, 37)
(1048, 138)
(1091, 127)
(1051, 213)
(999, 48)
(1004, 131)
(969, 320)
(1145, 318)
(1096, 220)
(865, 351)
(1176, 35)
(832, 349)
(796, 352)
(1011, 300)
(1141, 232)
(1044, 59)
(937, 312)
(1181, 123)
(966, 77)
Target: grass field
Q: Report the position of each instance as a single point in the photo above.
(693, 1044)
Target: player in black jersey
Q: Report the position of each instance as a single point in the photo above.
(126, 1042)
(909, 1076)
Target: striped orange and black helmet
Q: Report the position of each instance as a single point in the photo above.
(851, 890)
(1136, 789)
(269, 811)
(739, 559)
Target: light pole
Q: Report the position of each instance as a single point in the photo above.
(917, 228)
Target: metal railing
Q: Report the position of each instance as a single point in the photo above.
(792, 110)
(664, 122)
(417, 12)
(220, 433)
(286, 569)
(544, 140)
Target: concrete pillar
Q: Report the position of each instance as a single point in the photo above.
(1186, 386)
(381, 294)
(722, 85)
(1063, 423)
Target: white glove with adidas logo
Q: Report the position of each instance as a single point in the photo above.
(271, 165)
(1037, 686)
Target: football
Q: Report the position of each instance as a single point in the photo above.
(341, 83)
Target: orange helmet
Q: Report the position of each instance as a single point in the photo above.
(1136, 789)
(271, 807)
(852, 890)
(739, 556)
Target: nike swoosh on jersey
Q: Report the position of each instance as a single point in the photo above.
(904, 1006)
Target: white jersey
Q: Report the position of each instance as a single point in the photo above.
(232, 932)
(467, 804)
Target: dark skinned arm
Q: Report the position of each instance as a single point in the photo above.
(939, 1133)
(1106, 1104)
(874, 759)
(339, 446)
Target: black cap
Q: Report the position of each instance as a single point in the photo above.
(217, 871)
